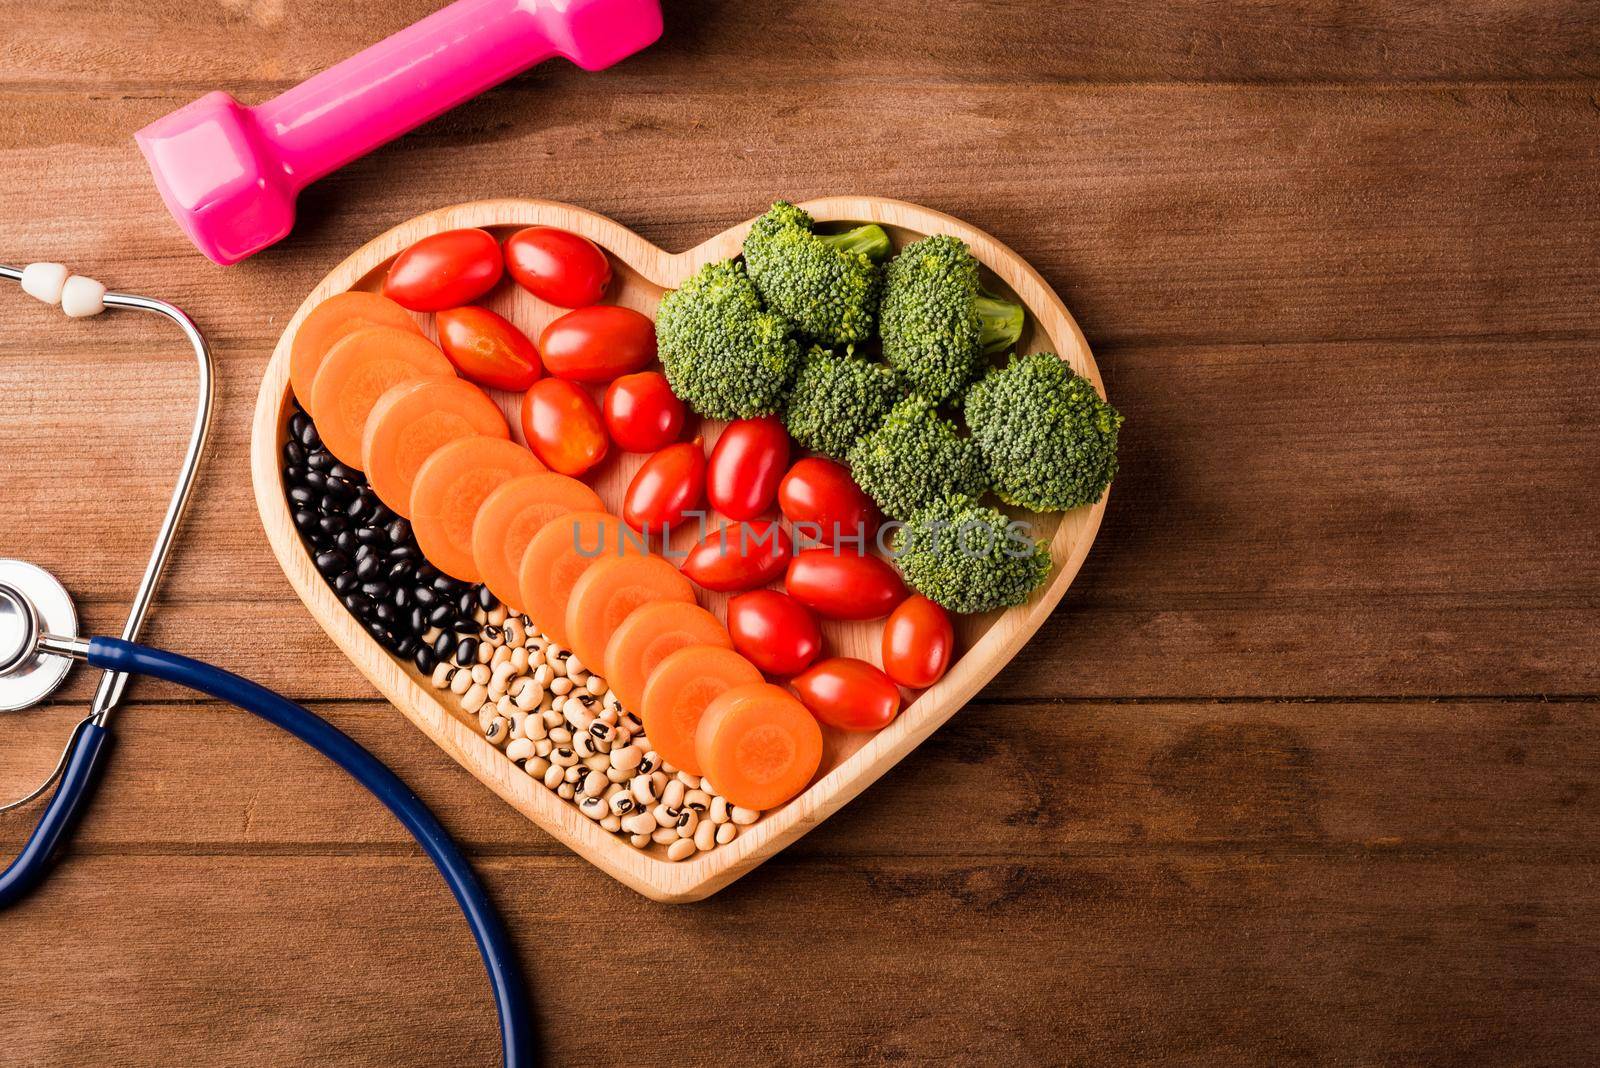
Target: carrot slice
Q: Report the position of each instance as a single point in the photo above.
(509, 519)
(559, 555)
(758, 745)
(607, 593)
(411, 421)
(451, 486)
(359, 369)
(648, 636)
(679, 690)
(338, 316)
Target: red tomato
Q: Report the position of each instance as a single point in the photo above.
(597, 344)
(642, 412)
(670, 483)
(739, 557)
(556, 266)
(849, 694)
(746, 464)
(445, 271)
(918, 639)
(825, 505)
(773, 631)
(563, 426)
(844, 585)
(487, 349)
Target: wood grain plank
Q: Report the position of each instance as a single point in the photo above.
(1014, 780)
(261, 44)
(1193, 215)
(1289, 520)
(1294, 959)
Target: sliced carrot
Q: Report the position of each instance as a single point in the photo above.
(360, 368)
(451, 486)
(607, 593)
(758, 745)
(509, 519)
(649, 634)
(330, 321)
(559, 555)
(679, 690)
(411, 421)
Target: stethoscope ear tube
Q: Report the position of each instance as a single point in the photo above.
(66, 807)
(115, 655)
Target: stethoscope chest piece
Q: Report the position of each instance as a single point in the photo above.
(32, 603)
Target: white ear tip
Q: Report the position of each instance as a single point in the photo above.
(82, 297)
(44, 281)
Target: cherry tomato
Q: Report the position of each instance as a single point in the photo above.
(825, 505)
(597, 344)
(739, 557)
(559, 267)
(773, 631)
(670, 483)
(445, 271)
(849, 694)
(563, 426)
(918, 639)
(844, 585)
(746, 464)
(642, 412)
(487, 349)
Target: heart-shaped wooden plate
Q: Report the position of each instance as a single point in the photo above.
(643, 272)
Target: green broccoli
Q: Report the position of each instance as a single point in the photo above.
(1048, 441)
(936, 321)
(724, 355)
(915, 457)
(969, 557)
(825, 284)
(836, 400)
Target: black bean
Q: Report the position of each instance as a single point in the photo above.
(315, 480)
(349, 474)
(356, 509)
(377, 630)
(298, 423)
(445, 584)
(443, 644)
(294, 454)
(304, 518)
(409, 553)
(425, 660)
(332, 563)
(442, 615)
(385, 612)
(355, 603)
(465, 604)
(309, 436)
(368, 535)
(338, 493)
(467, 651)
(401, 570)
(302, 496)
(346, 582)
(426, 596)
(486, 600)
(376, 589)
(419, 621)
(368, 567)
(293, 475)
(427, 573)
(320, 460)
(405, 648)
(402, 597)
(399, 532)
(332, 524)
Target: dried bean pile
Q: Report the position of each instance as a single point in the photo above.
(368, 555)
(561, 723)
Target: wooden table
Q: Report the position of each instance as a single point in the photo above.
(1303, 769)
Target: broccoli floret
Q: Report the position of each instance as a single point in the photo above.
(724, 355)
(1048, 441)
(915, 457)
(969, 557)
(827, 285)
(936, 321)
(836, 400)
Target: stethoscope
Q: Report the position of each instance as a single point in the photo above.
(39, 641)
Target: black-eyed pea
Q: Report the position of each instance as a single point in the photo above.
(698, 800)
(575, 774)
(502, 655)
(442, 672)
(642, 789)
(664, 835)
(499, 731)
(563, 757)
(626, 759)
(583, 745)
(536, 766)
(516, 633)
(597, 686)
(598, 762)
(726, 833)
(670, 769)
(485, 651)
(650, 761)
(553, 775)
(688, 821)
(665, 815)
(575, 666)
(519, 661)
(719, 810)
(705, 835)
(481, 674)
(519, 749)
(592, 807)
(561, 735)
(622, 804)
(506, 707)
(498, 614)
(528, 695)
(682, 849)
(544, 676)
(594, 785)
(640, 824)
(552, 718)
(474, 698)
(691, 781)
(617, 775)
(744, 816)
(560, 686)
(611, 823)
(460, 682)
(640, 841)
(672, 796)
(544, 747)
(566, 792)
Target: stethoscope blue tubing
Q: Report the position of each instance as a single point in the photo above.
(112, 654)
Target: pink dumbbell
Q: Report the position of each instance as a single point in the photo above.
(230, 174)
